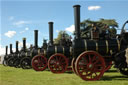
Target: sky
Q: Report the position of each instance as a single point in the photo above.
(19, 18)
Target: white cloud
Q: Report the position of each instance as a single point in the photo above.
(26, 28)
(2, 50)
(94, 8)
(10, 34)
(70, 29)
(11, 18)
(20, 23)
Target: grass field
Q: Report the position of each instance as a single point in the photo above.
(14, 76)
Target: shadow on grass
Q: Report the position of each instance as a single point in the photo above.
(111, 71)
(110, 78)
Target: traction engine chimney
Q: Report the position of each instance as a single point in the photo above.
(17, 46)
(24, 43)
(36, 38)
(51, 33)
(10, 48)
(77, 20)
(6, 50)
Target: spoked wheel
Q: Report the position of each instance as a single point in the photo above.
(58, 63)
(73, 65)
(108, 65)
(124, 71)
(39, 63)
(90, 65)
(17, 63)
(25, 63)
(4, 62)
(10, 62)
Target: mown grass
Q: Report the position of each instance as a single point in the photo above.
(18, 76)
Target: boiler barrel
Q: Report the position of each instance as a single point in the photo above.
(103, 47)
(59, 49)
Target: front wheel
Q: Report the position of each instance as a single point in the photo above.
(39, 63)
(25, 63)
(58, 63)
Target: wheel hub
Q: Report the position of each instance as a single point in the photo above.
(90, 66)
(57, 63)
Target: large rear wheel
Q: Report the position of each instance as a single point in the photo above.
(58, 63)
(73, 65)
(39, 63)
(90, 65)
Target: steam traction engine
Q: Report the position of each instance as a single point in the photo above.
(26, 61)
(54, 52)
(59, 55)
(5, 57)
(90, 54)
(10, 57)
(15, 56)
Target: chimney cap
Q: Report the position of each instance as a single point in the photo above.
(50, 22)
(35, 30)
(24, 38)
(76, 6)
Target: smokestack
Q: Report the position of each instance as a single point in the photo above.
(36, 38)
(10, 48)
(77, 20)
(24, 43)
(17, 46)
(6, 50)
(51, 33)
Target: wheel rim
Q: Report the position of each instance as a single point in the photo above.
(90, 66)
(58, 63)
(17, 63)
(124, 71)
(39, 63)
(108, 63)
(73, 65)
(4, 62)
(26, 63)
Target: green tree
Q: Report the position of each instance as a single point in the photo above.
(61, 34)
(109, 25)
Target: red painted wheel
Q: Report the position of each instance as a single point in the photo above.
(73, 65)
(58, 63)
(108, 65)
(90, 65)
(39, 63)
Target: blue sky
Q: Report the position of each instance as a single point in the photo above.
(19, 17)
